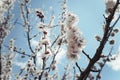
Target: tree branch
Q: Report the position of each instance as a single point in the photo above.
(99, 50)
(104, 63)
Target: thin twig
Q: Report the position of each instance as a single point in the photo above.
(86, 54)
(74, 73)
(95, 70)
(55, 40)
(35, 36)
(22, 53)
(21, 71)
(54, 26)
(116, 21)
(78, 67)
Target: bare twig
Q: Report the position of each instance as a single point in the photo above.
(95, 70)
(23, 53)
(21, 71)
(116, 21)
(74, 73)
(55, 40)
(54, 26)
(35, 36)
(79, 67)
(86, 55)
(20, 52)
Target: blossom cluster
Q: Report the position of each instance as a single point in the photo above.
(75, 40)
(4, 5)
(7, 61)
(70, 33)
(6, 70)
(45, 42)
(3, 33)
(29, 69)
(110, 5)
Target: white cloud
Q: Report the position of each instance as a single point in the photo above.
(34, 42)
(115, 64)
(39, 60)
(60, 55)
(20, 64)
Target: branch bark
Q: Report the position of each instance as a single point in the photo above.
(96, 57)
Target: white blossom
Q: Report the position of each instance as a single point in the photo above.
(6, 64)
(71, 20)
(4, 5)
(45, 54)
(98, 38)
(45, 41)
(74, 37)
(11, 45)
(41, 26)
(45, 28)
(110, 5)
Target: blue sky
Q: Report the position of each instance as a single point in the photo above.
(91, 19)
